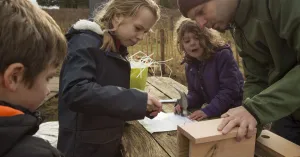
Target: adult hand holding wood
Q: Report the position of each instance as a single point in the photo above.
(240, 117)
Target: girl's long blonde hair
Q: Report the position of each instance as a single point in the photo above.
(210, 40)
(126, 8)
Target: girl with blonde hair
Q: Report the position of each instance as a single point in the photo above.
(94, 96)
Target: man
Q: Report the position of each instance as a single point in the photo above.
(267, 34)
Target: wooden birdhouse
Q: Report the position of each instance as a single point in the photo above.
(202, 139)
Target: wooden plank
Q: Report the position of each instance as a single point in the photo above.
(167, 140)
(208, 131)
(138, 142)
(271, 145)
(163, 87)
(174, 83)
(158, 144)
(183, 145)
(211, 142)
(167, 107)
(224, 148)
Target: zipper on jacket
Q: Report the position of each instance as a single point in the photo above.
(37, 114)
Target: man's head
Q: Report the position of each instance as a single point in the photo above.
(32, 47)
(216, 14)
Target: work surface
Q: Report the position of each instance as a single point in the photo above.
(137, 142)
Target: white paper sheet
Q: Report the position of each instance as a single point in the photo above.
(163, 122)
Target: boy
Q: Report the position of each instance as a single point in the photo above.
(31, 48)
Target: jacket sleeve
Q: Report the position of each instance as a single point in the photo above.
(192, 96)
(281, 98)
(81, 93)
(230, 85)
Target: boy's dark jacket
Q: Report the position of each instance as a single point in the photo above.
(17, 125)
(94, 99)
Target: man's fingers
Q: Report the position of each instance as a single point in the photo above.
(224, 122)
(232, 123)
(242, 131)
(225, 115)
(251, 131)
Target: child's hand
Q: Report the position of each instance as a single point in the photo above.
(153, 106)
(177, 109)
(197, 115)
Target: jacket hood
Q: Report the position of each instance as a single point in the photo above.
(82, 26)
(15, 123)
(92, 28)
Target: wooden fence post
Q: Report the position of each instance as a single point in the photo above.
(162, 50)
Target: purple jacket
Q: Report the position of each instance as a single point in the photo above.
(217, 82)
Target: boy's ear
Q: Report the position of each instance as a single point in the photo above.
(13, 76)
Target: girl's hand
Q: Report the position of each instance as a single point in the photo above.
(197, 115)
(177, 109)
(153, 106)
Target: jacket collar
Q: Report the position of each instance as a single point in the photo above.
(242, 12)
(19, 110)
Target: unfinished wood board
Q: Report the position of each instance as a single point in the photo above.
(223, 148)
(204, 140)
(167, 107)
(53, 84)
(164, 87)
(205, 131)
(138, 142)
(174, 83)
(183, 145)
(167, 140)
(271, 145)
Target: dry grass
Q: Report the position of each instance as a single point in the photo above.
(66, 17)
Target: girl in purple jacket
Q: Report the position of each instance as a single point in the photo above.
(214, 80)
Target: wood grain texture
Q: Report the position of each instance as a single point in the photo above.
(166, 141)
(205, 131)
(164, 86)
(138, 142)
(223, 148)
(271, 145)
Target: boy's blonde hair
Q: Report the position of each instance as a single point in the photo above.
(210, 40)
(126, 8)
(29, 36)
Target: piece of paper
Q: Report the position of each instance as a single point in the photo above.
(163, 122)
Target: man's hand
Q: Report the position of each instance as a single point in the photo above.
(197, 115)
(153, 106)
(240, 117)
